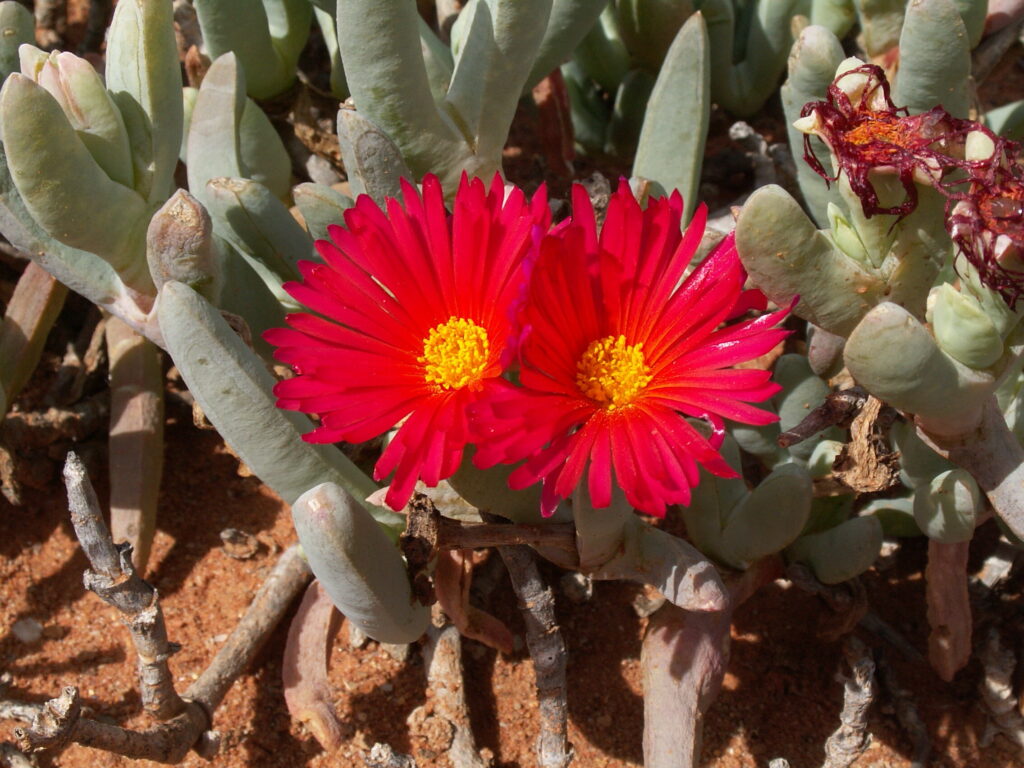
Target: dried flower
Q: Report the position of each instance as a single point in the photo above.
(987, 220)
(619, 350)
(415, 309)
(866, 132)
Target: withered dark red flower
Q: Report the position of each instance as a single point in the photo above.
(866, 132)
(986, 221)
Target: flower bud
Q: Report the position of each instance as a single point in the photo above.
(845, 236)
(180, 246)
(962, 328)
(81, 94)
(946, 509)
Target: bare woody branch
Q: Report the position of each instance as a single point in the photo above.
(838, 408)
(114, 580)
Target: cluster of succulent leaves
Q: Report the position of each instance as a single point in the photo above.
(87, 187)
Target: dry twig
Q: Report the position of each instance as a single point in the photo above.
(115, 581)
(839, 408)
(852, 737)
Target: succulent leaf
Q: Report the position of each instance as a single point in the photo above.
(267, 37)
(50, 166)
(893, 356)
(813, 61)
(380, 47)
(358, 565)
(234, 389)
(17, 26)
(320, 207)
(144, 76)
(568, 24)
(373, 160)
(935, 59)
(670, 150)
(788, 257)
(947, 508)
(842, 552)
(491, 70)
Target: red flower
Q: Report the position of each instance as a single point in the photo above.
(617, 352)
(415, 310)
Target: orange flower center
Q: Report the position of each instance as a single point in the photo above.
(612, 372)
(880, 126)
(455, 354)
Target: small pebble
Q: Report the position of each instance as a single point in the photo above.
(399, 652)
(27, 630)
(356, 637)
(645, 604)
(239, 544)
(577, 587)
(54, 631)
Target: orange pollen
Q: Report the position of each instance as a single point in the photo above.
(882, 128)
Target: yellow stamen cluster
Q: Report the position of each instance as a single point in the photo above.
(455, 354)
(612, 372)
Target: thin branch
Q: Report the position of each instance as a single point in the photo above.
(992, 49)
(839, 599)
(852, 737)
(838, 408)
(456, 535)
(136, 442)
(547, 649)
(949, 607)
(30, 314)
(304, 670)
(285, 582)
